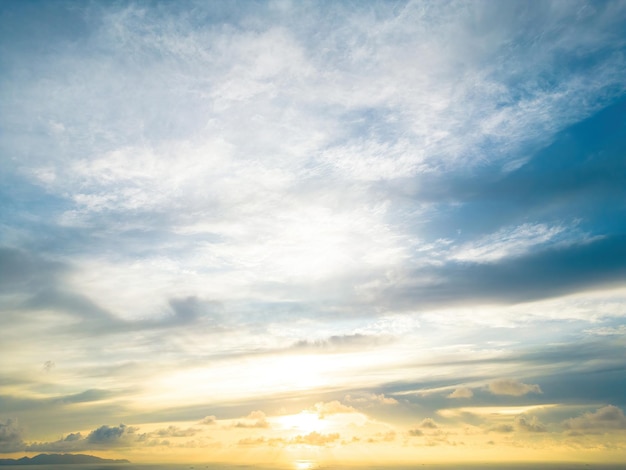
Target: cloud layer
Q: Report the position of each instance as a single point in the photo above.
(401, 223)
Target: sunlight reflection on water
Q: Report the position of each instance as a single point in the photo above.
(304, 464)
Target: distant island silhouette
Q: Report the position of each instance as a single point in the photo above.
(60, 459)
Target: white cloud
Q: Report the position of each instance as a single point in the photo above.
(608, 331)
(507, 242)
(371, 399)
(332, 407)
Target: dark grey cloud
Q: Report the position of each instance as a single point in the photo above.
(43, 285)
(56, 298)
(102, 437)
(71, 443)
(580, 176)
(45, 414)
(581, 371)
(112, 436)
(21, 271)
(11, 436)
(192, 310)
(536, 275)
(71, 437)
(91, 395)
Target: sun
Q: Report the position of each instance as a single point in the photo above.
(304, 422)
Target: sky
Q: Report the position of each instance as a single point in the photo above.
(311, 232)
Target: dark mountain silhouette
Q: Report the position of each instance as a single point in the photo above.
(60, 459)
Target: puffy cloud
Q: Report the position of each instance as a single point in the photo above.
(252, 441)
(174, 431)
(104, 436)
(208, 420)
(531, 424)
(461, 392)
(255, 419)
(315, 439)
(312, 439)
(10, 436)
(604, 419)
(428, 423)
(71, 442)
(512, 387)
(332, 407)
(371, 399)
(112, 435)
(388, 436)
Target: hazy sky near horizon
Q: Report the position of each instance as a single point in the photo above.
(313, 230)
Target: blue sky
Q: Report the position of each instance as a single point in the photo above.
(280, 230)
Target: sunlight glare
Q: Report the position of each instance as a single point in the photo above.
(304, 465)
(304, 422)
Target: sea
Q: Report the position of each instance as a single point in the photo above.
(426, 466)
